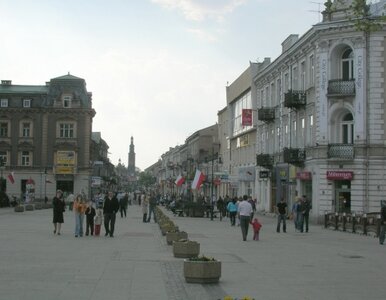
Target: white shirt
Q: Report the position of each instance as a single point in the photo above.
(244, 208)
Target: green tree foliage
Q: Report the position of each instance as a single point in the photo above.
(363, 20)
(145, 179)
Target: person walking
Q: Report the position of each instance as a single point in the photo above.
(306, 207)
(79, 209)
(244, 212)
(152, 206)
(232, 209)
(145, 206)
(110, 208)
(294, 212)
(256, 225)
(90, 214)
(383, 223)
(221, 207)
(123, 202)
(281, 208)
(59, 206)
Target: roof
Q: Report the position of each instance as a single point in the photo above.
(23, 89)
(67, 77)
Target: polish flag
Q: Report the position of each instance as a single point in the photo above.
(198, 179)
(11, 177)
(180, 180)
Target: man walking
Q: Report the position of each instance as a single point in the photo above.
(244, 210)
(281, 214)
(383, 223)
(110, 208)
(152, 206)
(306, 207)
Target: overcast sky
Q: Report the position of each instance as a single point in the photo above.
(157, 69)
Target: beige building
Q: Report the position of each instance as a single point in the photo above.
(45, 137)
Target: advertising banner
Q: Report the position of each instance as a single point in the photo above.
(246, 117)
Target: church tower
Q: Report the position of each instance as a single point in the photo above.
(131, 164)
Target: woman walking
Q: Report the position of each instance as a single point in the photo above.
(58, 209)
(79, 210)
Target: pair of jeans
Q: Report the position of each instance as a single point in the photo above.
(109, 223)
(244, 224)
(232, 216)
(90, 226)
(79, 217)
(151, 210)
(281, 217)
(305, 222)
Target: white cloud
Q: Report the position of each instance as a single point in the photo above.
(199, 10)
(203, 35)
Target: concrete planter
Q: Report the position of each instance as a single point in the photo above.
(202, 271)
(186, 249)
(29, 207)
(166, 228)
(175, 236)
(47, 205)
(38, 206)
(19, 208)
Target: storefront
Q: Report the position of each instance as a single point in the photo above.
(341, 185)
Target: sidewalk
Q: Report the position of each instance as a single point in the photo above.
(138, 264)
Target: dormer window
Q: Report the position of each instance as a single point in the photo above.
(4, 103)
(26, 102)
(67, 101)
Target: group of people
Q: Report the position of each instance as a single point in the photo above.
(148, 203)
(84, 210)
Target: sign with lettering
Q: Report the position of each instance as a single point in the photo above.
(304, 175)
(246, 117)
(340, 175)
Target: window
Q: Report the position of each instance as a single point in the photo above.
(244, 102)
(25, 158)
(295, 81)
(348, 65)
(4, 157)
(286, 82)
(294, 133)
(26, 129)
(4, 129)
(4, 103)
(272, 102)
(66, 130)
(302, 131)
(310, 129)
(311, 70)
(303, 76)
(347, 128)
(67, 101)
(26, 102)
(278, 91)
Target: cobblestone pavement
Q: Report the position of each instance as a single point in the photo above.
(138, 264)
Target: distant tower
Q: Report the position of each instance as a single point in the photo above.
(131, 165)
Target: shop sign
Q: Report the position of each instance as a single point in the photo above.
(65, 158)
(64, 170)
(304, 175)
(340, 175)
(264, 174)
(96, 181)
(247, 174)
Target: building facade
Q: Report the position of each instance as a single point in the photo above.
(321, 129)
(45, 137)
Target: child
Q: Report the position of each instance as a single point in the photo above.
(98, 221)
(256, 229)
(90, 214)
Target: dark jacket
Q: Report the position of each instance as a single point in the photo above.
(90, 213)
(110, 206)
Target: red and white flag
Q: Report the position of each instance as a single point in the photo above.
(198, 179)
(180, 180)
(11, 177)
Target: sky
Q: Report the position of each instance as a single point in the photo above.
(157, 69)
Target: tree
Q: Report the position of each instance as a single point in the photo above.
(146, 179)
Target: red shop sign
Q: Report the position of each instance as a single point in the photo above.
(304, 175)
(340, 175)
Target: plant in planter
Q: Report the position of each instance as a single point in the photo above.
(186, 249)
(202, 269)
(19, 208)
(29, 207)
(175, 235)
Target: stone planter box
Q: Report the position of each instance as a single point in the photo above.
(166, 228)
(186, 249)
(47, 205)
(38, 206)
(202, 271)
(29, 207)
(175, 236)
(19, 208)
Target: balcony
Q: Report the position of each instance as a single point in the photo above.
(339, 87)
(294, 156)
(266, 114)
(295, 99)
(340, 151)
(264, 160)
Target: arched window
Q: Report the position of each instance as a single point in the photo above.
(347, 127)
(348, 64)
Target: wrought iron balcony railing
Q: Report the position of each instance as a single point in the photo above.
(339, 87)
(266, 114)
(341, 151)
(295, 99)
(294, 156)
(264, 160)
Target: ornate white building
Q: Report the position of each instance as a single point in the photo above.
(321, 110)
